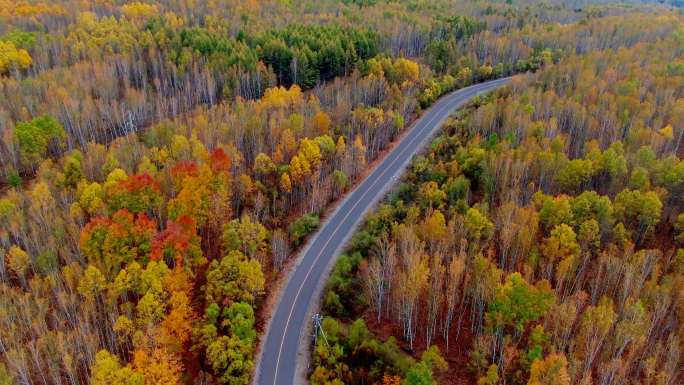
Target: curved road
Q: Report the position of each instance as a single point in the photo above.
(283, 345)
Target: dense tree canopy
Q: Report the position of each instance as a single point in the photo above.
(160, 162)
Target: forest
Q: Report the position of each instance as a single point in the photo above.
(162, 162)
(539, 239)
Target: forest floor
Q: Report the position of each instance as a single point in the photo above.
(456, 356)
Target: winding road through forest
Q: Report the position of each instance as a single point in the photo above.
(284, 347)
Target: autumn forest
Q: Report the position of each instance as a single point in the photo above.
(163, 162)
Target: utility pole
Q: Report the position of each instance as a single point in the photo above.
(317, 320)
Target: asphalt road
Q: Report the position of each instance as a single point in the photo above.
(280, 351)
